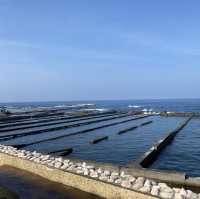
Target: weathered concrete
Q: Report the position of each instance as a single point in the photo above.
(34, 132)
(87, 184)
(128, 178)
(155, 150)
(54, 121)
(179, 114)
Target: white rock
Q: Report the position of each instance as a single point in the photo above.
(177, 190)
(178, 196)
(94, 175)
(110, 180)
(145, 189)
(155, 190)
(79, 171)
(118, 181)
(132, 179)
(126, 183)
(122, 174)
(166, 195)
(58, 165)
(137, 186)
(183, 193)
(86, 173)
(103, 178)
(107, 173)
(114, 174)
(140, 180)
(147, 183)
(90, 167)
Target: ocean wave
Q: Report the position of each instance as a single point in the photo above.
(134, 106)
(95, 109)
(73, 106)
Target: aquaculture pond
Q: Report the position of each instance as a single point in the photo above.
(119, 149)
(183, 154)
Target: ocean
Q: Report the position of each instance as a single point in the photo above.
(181, 155)
(171, 105)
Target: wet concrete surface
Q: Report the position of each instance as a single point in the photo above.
(29, 186)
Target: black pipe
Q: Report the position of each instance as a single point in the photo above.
(97, 140)
(62, 152)
(146, 123)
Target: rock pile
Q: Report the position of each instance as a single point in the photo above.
(140, 184)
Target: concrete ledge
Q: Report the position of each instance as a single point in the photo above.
(87, 184)
(147, 158)
(171, 177)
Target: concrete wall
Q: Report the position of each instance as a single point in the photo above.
(100, 188)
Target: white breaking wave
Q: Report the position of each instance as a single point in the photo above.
(134, 106)
(60, 106)
(95, 109)
(73, 106)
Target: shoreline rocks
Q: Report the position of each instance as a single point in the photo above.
(139, 184)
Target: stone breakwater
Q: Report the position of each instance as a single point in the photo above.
(138, 184)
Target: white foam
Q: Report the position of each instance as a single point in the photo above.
(73, 105)
(95, 109)
(134, 106)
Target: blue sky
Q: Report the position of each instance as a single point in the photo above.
(108, 49)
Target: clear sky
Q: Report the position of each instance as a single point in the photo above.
(99, 49)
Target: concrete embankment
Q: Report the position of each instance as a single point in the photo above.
(67, 173)
(155, 150)
(179, 114)
(105, 180)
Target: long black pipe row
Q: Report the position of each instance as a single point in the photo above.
(52, 119)
(97, 140)
(35, 132)
(79, 132)
(54, 123)
(147, 159)
(26, 118)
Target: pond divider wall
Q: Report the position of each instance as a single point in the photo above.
(155, 150)
(15, 118)
(57, 121)
(180, 114)
(35, 132)
(8, 127)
